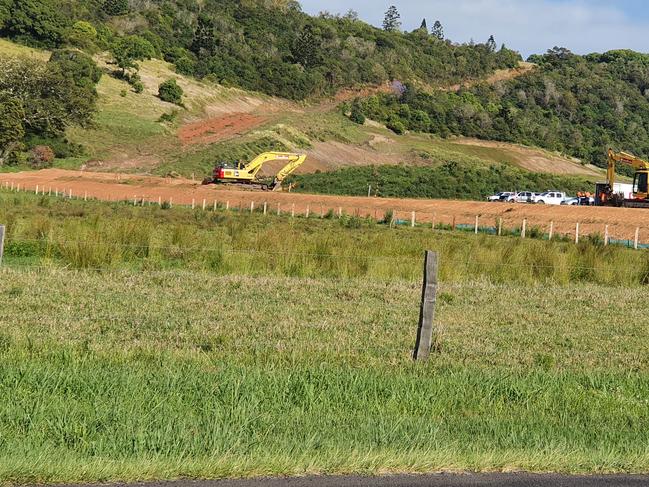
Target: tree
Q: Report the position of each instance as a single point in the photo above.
(12, 129)
(171, 92)
(491, 44)
(392, 20)
(306, 49)
(438, 30)
(424, 26)
(38, 22)
(115, 7)
(82, 34)
(127, 50)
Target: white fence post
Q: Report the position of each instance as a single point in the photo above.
(577, 233)
(2, 242)
(636, 242)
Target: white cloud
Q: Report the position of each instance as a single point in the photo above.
(528, 26)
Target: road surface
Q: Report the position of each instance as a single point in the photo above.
(445, 480)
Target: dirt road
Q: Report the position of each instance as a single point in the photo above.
(622, 222)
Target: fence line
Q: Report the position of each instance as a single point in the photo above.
(430, 219)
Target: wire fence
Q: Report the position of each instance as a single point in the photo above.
(383, 212)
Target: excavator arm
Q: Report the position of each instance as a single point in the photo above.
(640, 166)
(296, 161)
(254, 166)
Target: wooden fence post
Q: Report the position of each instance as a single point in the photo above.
(432, 223)
(279, 209)
(204, 204)
(477, 222)
(424, 341)
(413, 220)
(500, 226)
(85, 196)
(2, 242)
(70, 194)
(227, 205)
(577, 233)
(215, 205)
(265, 208)
(636, 242)
(293, 210)
(524, 229)
(340, 212)
(606, 236)
(308, 210)
(551, 230)
(252, 206)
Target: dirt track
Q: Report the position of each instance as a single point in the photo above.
(106, 186)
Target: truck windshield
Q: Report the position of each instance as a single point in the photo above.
(641, 183)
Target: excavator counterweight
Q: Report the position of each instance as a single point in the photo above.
(247, 172)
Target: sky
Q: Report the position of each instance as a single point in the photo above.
(528, 26)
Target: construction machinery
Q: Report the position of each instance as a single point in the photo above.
(639, 197)
(247, 172)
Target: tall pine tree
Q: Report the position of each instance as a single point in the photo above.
(491, 44)
(392, 20)
(424, 26)
(438, 30)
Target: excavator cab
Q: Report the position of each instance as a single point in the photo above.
(641, 185)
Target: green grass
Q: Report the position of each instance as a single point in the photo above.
(54, 232)
(132, 376)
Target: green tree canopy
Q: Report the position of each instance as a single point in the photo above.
(130, 49)
(392, 20)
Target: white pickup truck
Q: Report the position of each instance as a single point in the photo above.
(550, 198)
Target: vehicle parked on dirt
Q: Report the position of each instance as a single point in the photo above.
(502, 196)
(550, 198)
(524, 197)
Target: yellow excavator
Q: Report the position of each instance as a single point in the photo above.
(246, 172)
(606, 195)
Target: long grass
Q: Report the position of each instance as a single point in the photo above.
(45, 231)
(135, 376)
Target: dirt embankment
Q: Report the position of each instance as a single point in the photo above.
(622, 222)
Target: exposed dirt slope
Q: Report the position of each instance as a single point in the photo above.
(622, 221)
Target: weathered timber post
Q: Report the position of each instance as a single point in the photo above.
(577, 233)
(265, 208)
(500, 226)
(425, 337)
(477, 223)
(204, 204)
(606, 236)
(524, 229)
(2, 242)
(636, 242)
(413, 219)
(551, 230)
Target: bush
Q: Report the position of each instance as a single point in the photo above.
(357, 115)
(186, 66)
(396, 125)
(171, 92)
(115, 7)
(138, 87)
(41, 156)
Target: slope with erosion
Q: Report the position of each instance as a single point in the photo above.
(220, 123)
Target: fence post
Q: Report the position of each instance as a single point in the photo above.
(424, 341)
(606, 237)
(279, 209)
(2, 242)
(413, 220)
(636, 242)
(215, 205)
(70, 194)
(193, 203)
(477, 220)
(369, 191)
(204, 204)
(252, 206)
(551, 230)
(453, 225)
(340, 212)
(265, 207)
(227, 205)
(171, 202)
(577, 233)
(85, 196)
(308, 210)
(293, 210)
(524, 229)
(500, 226)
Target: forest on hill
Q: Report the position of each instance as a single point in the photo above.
(577, 105)
(262, 45)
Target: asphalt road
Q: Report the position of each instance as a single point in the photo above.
(482, 480)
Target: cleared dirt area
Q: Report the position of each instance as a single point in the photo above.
(217, 129)
(106, 186)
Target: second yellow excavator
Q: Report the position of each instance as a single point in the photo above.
(247, 172)
(606, 194)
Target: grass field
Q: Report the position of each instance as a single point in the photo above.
(162, 375)
(142, 343)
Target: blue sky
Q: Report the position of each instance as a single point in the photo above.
(530, 26)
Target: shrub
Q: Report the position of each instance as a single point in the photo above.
(357, 115)
(138, 87)
(41, 156)
(115, 7)
(171, 92)
(186, 66)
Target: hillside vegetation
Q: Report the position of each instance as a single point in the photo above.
(578, 105)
